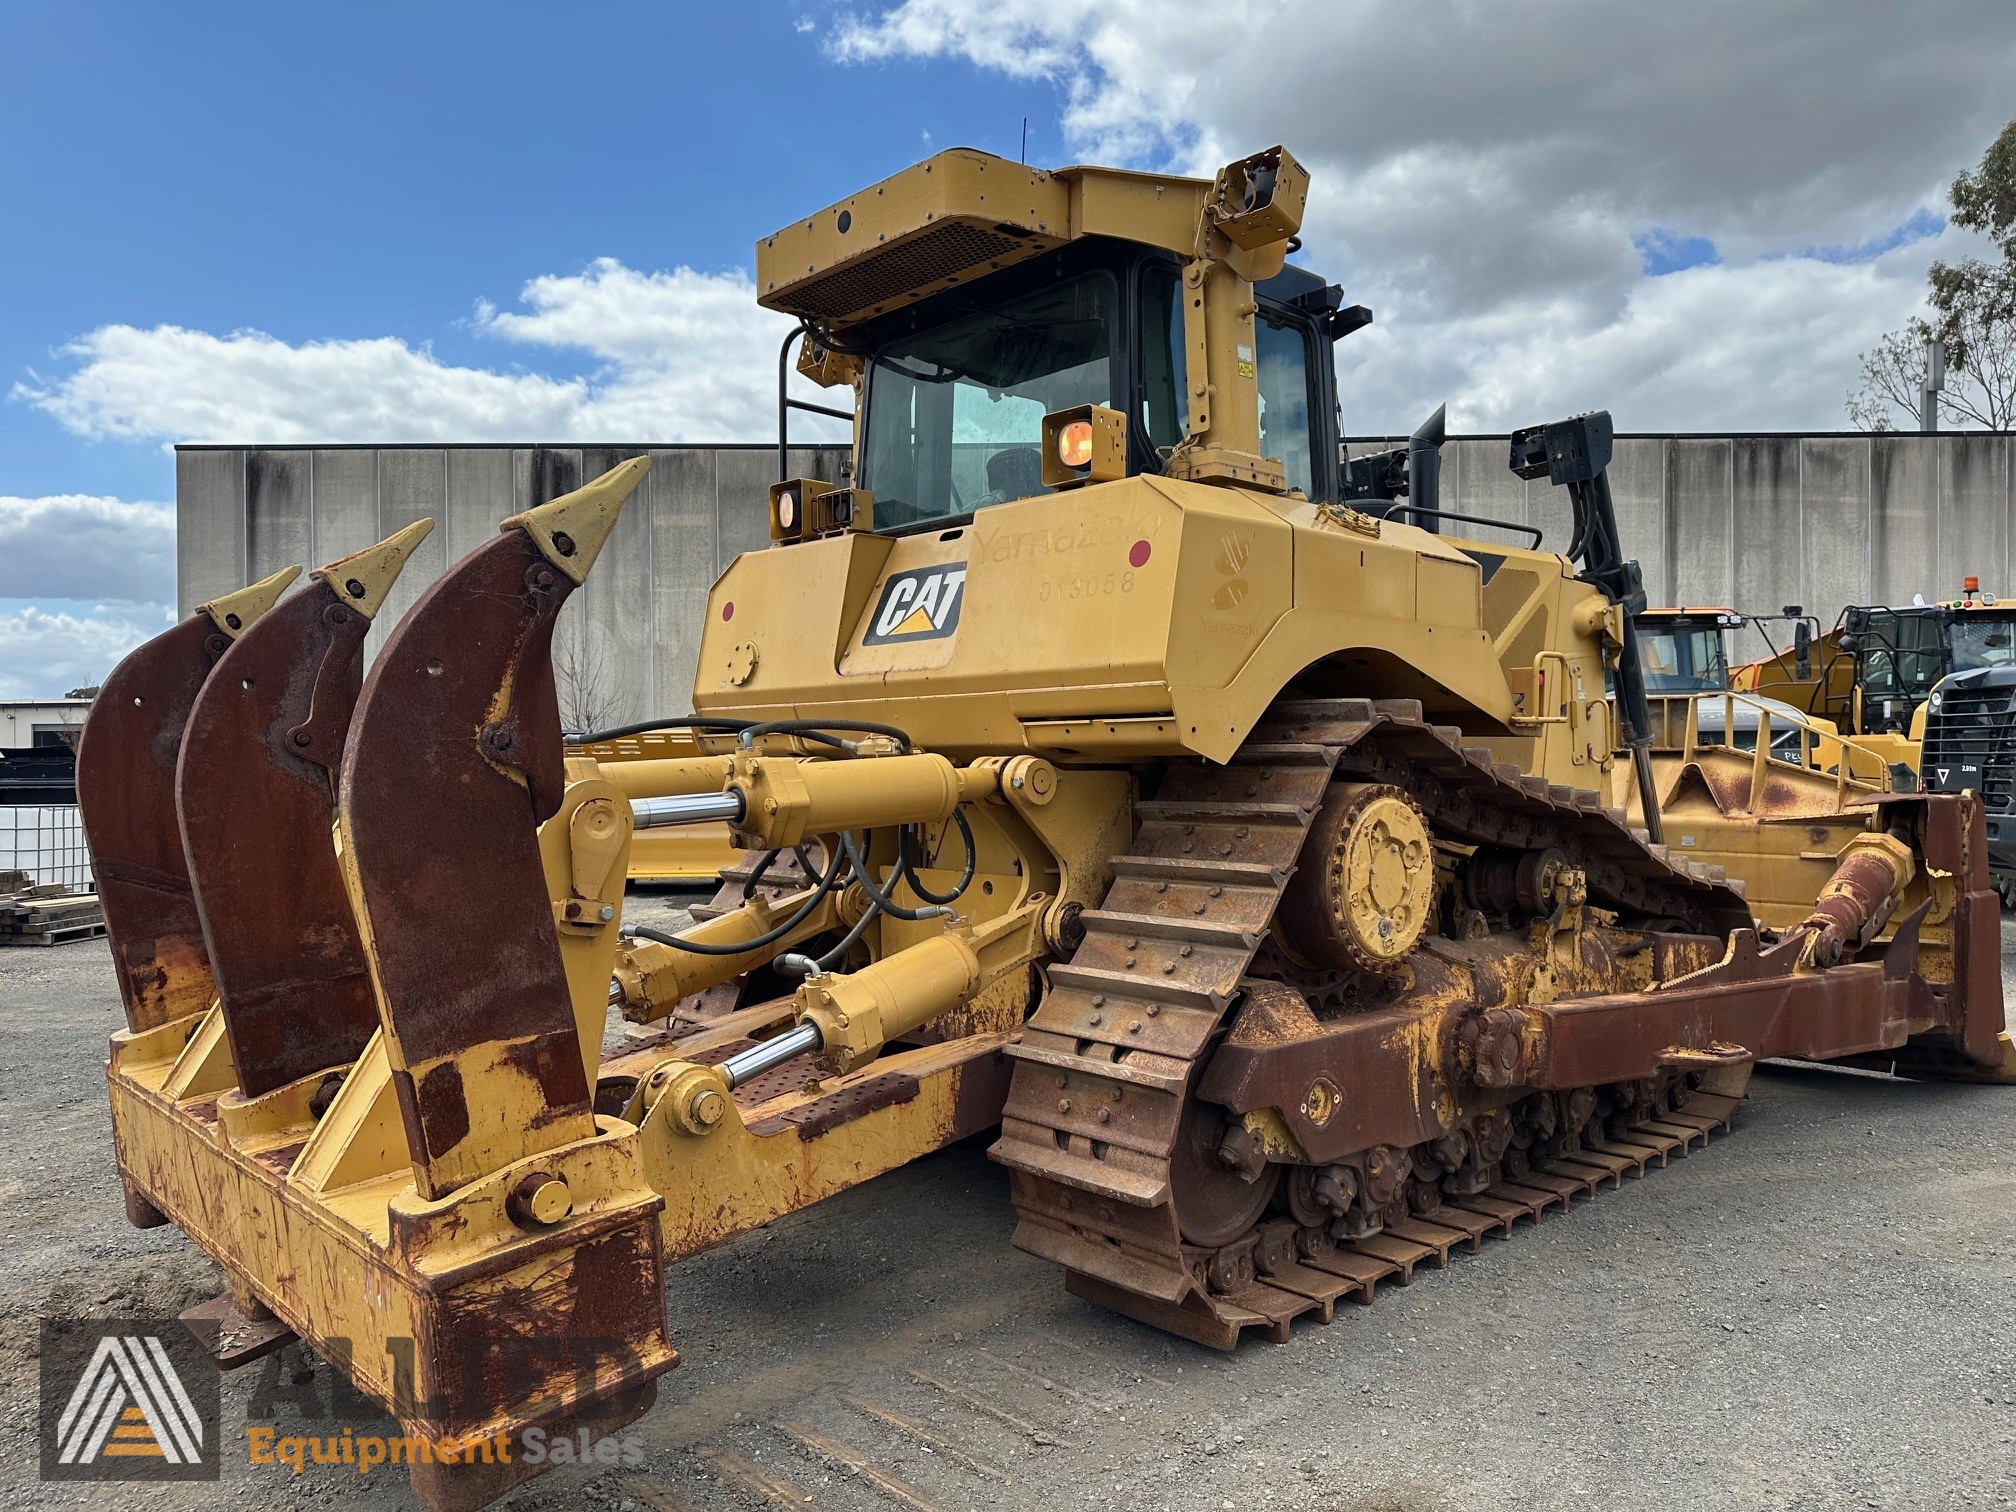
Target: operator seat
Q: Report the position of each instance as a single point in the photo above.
(1015, 472)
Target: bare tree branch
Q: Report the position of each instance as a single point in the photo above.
(1891, 375)
(584, 677)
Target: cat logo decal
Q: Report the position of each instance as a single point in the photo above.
(922, 603)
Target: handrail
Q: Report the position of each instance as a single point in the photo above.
(1811, 739)
(786, 404)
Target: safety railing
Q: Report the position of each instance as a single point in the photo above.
(1813, 745)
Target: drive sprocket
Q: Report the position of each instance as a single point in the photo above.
(1364, 893)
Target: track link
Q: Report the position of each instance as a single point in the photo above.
(1106, 1063)
(1298, 1272)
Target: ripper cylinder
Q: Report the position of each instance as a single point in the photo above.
(775, 802)
(652, 979)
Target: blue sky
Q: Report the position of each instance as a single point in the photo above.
(512, 221)
(349, 171)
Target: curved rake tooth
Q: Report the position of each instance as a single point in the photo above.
(454, 760)
(126, 796)
(256, 792)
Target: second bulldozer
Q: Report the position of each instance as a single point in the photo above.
(1255, 863)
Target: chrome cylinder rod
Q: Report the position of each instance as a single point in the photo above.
(690, 808)
(770, 1054)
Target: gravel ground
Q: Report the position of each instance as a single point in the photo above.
(1817, 1311)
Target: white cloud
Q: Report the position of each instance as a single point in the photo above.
(45, 654)
(101, 575)
(681, 356)
(678, 356)
(690, 356)
(82, 546)
(1481, 174)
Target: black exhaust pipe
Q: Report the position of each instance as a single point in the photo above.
(1424, 466)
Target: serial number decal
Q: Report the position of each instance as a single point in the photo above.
(1063, 590)
(920, 604)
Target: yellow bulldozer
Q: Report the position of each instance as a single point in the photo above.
(1248, 860)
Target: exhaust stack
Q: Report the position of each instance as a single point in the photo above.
(1424, 466)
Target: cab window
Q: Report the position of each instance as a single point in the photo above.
(1283, 352)
(1903, 655)
(1979, 641)
(955, 413)
(1281, 357)
(1165, 414)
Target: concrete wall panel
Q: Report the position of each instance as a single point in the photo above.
(1904, 519)
(1699, 522)
(679, 495)
(1764, 481)
(1834, 559)
(1638, 489)
(279, 512)
(1974, 514)
(412, 485)
(616, 600)
(344, 487)
(209, 526)
(482, 489)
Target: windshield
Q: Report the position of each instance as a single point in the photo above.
(1682, 661)
(1902, 655)
(955, 413)
(1981, 641)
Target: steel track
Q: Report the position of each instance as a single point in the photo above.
(1107, 1062)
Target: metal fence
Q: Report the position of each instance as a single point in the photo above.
(47, 842)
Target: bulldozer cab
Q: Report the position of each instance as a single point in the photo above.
(956, 389)
(1686, 650)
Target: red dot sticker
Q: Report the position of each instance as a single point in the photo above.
(728, 610)
(1137, 556)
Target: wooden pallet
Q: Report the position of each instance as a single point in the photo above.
(49, 915)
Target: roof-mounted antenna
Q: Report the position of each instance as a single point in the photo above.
(1025, 139)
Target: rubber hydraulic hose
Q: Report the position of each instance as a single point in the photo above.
(909, 873)
(762, 941)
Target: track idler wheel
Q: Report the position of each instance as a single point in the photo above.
(1364, 892)
(1218, 1194)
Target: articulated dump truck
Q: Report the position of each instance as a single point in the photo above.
(1281, 881)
